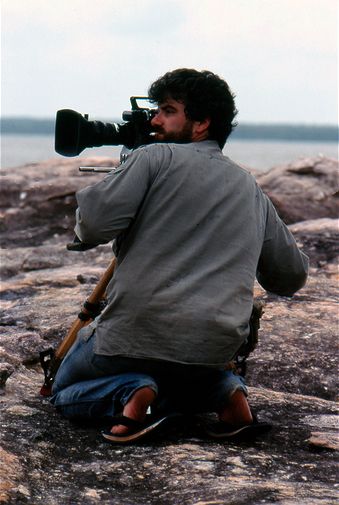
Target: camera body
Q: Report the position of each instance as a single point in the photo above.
(74, 132)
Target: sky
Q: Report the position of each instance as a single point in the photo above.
(279, 57)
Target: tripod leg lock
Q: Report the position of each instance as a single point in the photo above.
(92, 310)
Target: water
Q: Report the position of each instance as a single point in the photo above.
(259, 154)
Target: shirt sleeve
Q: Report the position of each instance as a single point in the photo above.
(282, 267)
(109, 207)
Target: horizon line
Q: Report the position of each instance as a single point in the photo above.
(243, 122)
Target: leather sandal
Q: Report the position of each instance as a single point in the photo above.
(137, 429)
(224, 431)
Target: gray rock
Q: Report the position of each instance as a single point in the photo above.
(319, 239)
(6, 371)
(38, 200)
(325, 440)
(305, 189)
(292, 374)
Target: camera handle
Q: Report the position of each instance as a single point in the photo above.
(104, 170)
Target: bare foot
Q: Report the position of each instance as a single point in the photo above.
(237, 412)
(136, 408)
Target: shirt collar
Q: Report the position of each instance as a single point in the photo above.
(210, 147)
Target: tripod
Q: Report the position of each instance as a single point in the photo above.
(51, 360)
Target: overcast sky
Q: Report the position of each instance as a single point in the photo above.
(278, 56)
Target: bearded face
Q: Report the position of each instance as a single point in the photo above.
(170, 123)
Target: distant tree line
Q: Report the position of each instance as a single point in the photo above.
(25, 125)
(244, 131)
(286, 132)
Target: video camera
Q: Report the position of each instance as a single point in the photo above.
(74, 132)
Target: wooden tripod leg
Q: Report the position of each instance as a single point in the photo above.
(50, 360)
(94, 298)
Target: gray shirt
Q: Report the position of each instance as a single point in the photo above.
(193, 230)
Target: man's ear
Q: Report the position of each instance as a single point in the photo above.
(200, 129)
(203, 125)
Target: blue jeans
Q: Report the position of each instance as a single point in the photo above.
(89, 386)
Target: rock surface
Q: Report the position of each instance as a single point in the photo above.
(292, 374)
(305, 189)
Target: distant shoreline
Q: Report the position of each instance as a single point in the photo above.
(244, 131)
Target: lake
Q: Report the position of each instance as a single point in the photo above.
(259, 154)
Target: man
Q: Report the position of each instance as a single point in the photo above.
(192, 230)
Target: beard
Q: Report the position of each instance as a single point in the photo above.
(183, 136)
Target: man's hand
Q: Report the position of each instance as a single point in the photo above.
(79, 246)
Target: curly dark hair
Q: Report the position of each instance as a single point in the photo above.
(204, 94)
